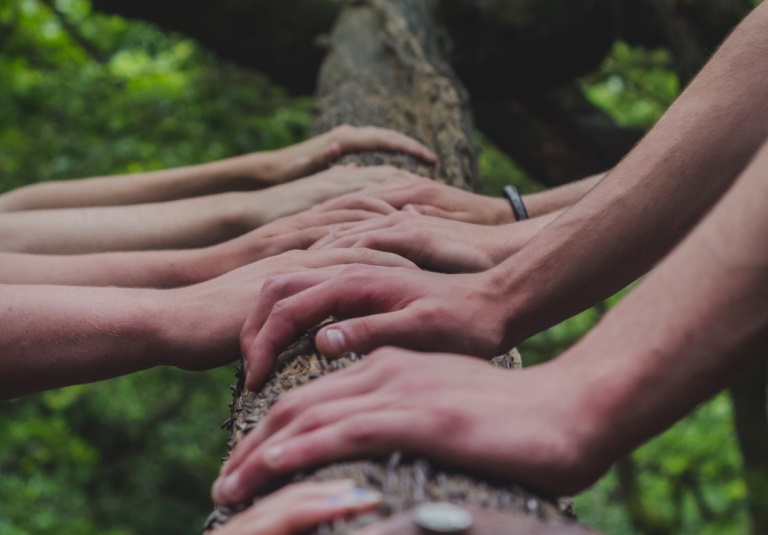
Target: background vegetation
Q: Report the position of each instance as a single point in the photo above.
(84, 94)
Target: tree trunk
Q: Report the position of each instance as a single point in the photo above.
(385, 68)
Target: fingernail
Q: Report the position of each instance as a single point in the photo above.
(225, 489)
(357, 498)
(336, 341)
(273, 456)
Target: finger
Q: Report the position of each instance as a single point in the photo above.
(343, 215)
(373, 138)
(358, 435)
(351, 382)
(356, 201)
(400, 328)
(332, 241)
(292, 306)
(253, 469)
(274, 289)
(434, 211)
(320, 502)
(336, 257)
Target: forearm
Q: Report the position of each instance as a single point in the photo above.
(251, 171)
(188, 223)
(134, 269)
(55, 336)
(686, 330)
(556, 199)
(651, 199)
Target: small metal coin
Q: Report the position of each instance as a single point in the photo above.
(442, 518)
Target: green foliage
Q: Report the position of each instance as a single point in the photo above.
(137, 454)
(634, 86)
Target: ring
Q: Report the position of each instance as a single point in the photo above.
(443, 518)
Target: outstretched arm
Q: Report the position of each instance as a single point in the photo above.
(242, 173)
(62, 335)
(630, 220)
(431, 198)
(182, 224)
(176, 268)
(678, 338)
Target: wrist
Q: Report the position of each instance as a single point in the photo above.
(195, 334)
(516, 295)
(500, 210)
(265, 166)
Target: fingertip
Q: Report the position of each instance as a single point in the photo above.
(429, 156)
(226, 490)
(334, 151)
(331, 341)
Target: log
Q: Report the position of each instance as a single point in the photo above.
(385, 67)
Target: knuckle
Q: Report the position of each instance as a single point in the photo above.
(272, 287)
(446, 418)
(284, 409)
(343, 129)
(428, 314)
(361, 432)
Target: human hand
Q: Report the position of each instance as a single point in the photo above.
(433, 243)
(380, 306)
(432, 198)
(303, 194)
(531, 426)
(297, 231)
(320, 151)
(297, 508)
(202, 323)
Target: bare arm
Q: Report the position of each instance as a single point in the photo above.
(556, 199)
(618, 231)
(645, 205)
(176, 268)
(248, 172)
(678, 338)
(62, 335)
(182, 224)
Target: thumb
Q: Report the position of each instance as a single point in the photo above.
(362, 335)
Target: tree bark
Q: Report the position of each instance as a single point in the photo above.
(385, 67)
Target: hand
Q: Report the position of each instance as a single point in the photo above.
(297, 508)
(299, 195)
(382, 306)
(432, 243)
(297, 231)
(432, 198)
(314, 154)
(202, 322)
(531, 426)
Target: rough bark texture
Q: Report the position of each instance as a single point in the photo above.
(385, 68)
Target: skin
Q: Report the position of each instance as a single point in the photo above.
(681, 336)
(321, 502)
(55, 336)
(431, 198)
(176, 268)
(435, 243)
(617, 232)
(252, 171)
(181, 224)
